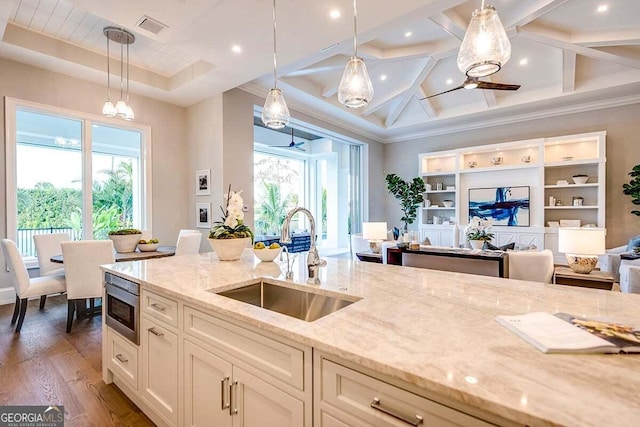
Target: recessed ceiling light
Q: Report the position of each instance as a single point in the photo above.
(408, 34)
(237, 49)
(334, 14)
(383, 77)
(603, 8)
(449, 81)
(524, 61)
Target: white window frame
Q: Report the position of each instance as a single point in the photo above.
(10, 107)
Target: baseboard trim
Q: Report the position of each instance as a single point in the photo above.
(7, 296)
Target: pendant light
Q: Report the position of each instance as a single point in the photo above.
(275, 114)
(486, 47)
(355, 90)
(121, 109)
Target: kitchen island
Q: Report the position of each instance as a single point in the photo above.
(430, 333)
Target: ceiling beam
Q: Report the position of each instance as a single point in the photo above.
(580, 50)
(607, 38)
(451, 26)
(534, 10)
(329, 90)
(406, 97)
(426, 104)
(381, 102)
(568, 71)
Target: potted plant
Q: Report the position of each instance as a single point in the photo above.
(231, 235)
(478, 231)
(125, 239)
(633, 188)
(409, 195)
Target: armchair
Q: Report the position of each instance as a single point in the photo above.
(630, 276)
(610, 261)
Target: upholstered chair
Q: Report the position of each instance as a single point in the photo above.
(358, 244)
(24, 286)
(48, 245)
(188, 243)
(630, 276)
(531, 265)
(82, 261)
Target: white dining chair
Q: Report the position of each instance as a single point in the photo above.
(187, 231)
(82, 261)
(188, 243)
(26, 287)
(48, 245)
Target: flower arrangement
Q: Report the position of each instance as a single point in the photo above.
(232, 225)
(478, 229)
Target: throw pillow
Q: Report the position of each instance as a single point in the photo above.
(426, 241)
(489, 247)
(633, 243)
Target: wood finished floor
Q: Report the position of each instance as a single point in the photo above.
(43, 365)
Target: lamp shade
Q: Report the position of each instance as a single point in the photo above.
(374, 230)
(486, 47)
(275, 114)
(355, 90)
(581, 241)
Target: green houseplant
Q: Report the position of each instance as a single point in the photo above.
(409, 195)
(633, 188)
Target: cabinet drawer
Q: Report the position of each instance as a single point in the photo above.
(123, 358)
(275, 358)
(354, 393)
(160, 308)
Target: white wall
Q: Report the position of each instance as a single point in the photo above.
(623, 152)
(171, 210)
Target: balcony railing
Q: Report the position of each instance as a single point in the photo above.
(24, 239)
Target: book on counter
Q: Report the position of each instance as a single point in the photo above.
(565, 333)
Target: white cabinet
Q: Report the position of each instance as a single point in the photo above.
(440, 235)
(159, 347)
(242, 378)
(122, 358)
(347, 397)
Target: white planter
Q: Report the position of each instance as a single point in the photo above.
(124, 243)
(229, 249)
(476, 244)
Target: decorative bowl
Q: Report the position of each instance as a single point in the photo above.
(124, 243)
(447, 203)
(496, 161)
(266, 254)
(148, 247)
(580, 179)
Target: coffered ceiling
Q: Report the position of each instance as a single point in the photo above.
(568, 55)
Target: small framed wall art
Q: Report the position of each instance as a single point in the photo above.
(203, 182)
(203, 215)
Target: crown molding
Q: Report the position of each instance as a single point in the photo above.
(520, 118)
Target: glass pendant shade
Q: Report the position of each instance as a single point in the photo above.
(486, 47)
(108, 109)
(129, 114)
(121, 108)
(275, 114)
(355, 90)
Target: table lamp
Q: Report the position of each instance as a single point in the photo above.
(581, 246)
(375, 233)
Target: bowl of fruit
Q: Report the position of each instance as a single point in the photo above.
(266, 253)
(148, 245)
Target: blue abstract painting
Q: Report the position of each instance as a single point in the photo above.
(503, 205)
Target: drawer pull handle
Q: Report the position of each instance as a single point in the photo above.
(121, 358)
(223, 383)
(156, 333)
(158, 307)
(233, 397)
(416, 421)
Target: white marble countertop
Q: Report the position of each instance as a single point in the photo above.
(435, 330)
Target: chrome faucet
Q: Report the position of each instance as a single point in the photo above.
(313, 259)
(289, 273)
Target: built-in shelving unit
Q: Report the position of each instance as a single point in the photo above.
(545, 165)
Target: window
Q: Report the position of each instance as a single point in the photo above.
(72, 173)
(318, 171)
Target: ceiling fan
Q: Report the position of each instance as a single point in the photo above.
(475, 83)
(292, 144)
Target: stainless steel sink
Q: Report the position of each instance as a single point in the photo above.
(301, 304)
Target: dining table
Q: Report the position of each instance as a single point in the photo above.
(161, 252)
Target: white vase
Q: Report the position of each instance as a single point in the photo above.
(476, 244)
(229, 249)
(124, 243)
